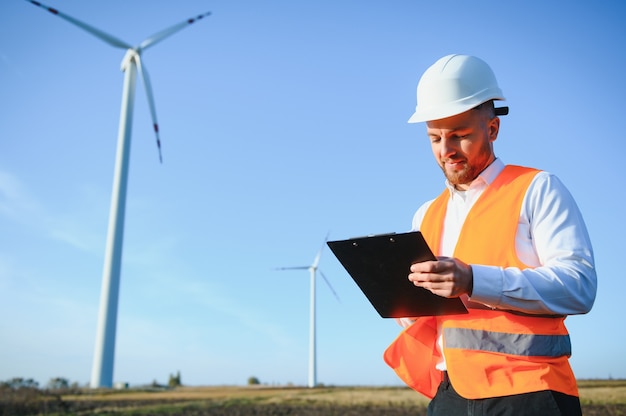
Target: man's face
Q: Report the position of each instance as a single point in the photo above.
(462, 145)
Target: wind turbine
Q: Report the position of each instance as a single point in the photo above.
(102, 372)
(313, 269)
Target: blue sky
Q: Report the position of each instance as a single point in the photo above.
(280, 121)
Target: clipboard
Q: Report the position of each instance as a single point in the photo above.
(379, 265)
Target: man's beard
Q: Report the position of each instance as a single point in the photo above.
(461, 177)
(470, 171)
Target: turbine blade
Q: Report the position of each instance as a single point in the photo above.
(110, 39)
(293, 268)
(143, 72)
(330, 286)
(159, 36)
(316, 261)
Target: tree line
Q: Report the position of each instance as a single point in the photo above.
(63, 384)
(56, 383)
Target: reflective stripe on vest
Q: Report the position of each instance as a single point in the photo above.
(504, 343)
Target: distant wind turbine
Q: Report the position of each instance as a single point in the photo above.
(102, 372)
(313, 269)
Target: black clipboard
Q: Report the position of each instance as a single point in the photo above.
(379, 265)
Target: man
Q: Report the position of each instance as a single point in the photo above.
(511, 242)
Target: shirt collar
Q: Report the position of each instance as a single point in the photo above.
(486, 177)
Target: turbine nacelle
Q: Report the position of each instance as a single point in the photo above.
(131, 54)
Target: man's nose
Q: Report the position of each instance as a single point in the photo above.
(447, 148)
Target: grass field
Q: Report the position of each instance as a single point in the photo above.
(598, 397)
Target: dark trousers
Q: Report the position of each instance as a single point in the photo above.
(447, 402)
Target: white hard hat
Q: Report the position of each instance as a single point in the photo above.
(455, 84)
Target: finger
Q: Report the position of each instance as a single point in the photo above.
(423, 267)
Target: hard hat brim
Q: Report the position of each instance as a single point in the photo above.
(450, 111)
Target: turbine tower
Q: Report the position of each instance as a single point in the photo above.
(102, 372)
(313, 269)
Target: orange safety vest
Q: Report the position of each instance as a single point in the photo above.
(488, 352)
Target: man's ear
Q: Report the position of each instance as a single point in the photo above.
(493, 128)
